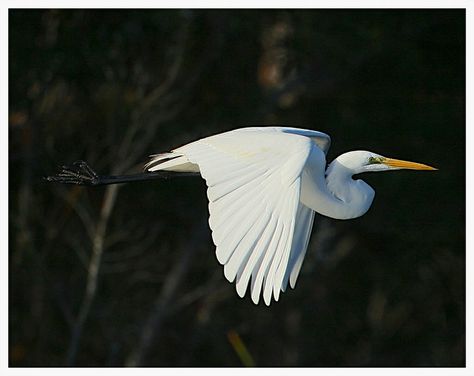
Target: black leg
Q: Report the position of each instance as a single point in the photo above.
(80, 173)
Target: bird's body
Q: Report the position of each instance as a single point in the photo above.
(264, 186)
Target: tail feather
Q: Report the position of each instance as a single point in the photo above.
(172, 161)
(157, 159)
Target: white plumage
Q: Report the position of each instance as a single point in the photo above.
(264, 184)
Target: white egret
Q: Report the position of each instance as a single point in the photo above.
(264, 186)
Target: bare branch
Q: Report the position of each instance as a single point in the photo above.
(93, 271)
(71, 197)
(161, 306)
(155, 96)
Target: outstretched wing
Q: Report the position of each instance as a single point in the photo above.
(260, 228)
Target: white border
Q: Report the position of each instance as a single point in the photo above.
(237, 4)
(4, 186)
(469, 186)
(469, 370)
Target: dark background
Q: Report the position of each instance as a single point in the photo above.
(127, 275)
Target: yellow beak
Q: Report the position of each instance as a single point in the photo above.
(406, 164)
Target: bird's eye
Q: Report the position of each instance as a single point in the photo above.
(375, 160)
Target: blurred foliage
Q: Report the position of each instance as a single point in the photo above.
(113, 86)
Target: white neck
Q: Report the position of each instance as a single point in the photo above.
(338, 195)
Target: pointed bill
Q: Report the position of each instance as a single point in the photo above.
(397, 163)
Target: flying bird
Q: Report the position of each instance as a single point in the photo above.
(264, 186)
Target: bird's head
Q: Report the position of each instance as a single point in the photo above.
(365, 161)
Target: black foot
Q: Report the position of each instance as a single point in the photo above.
(79, 173)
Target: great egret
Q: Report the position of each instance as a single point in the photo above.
(264, 186)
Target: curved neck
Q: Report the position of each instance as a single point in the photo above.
(338, 195)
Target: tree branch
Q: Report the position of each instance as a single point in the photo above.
(161, 307)
(92, 273)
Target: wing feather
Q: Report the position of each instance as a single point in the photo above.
(303, 226)
(254, 181)
(280, 260)
(242, 253)
(225, 208)
(251, 266)
(217, 191)
(262, 272)
(235, 233)
(231, 243)
(230, 221)
(270, 275)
